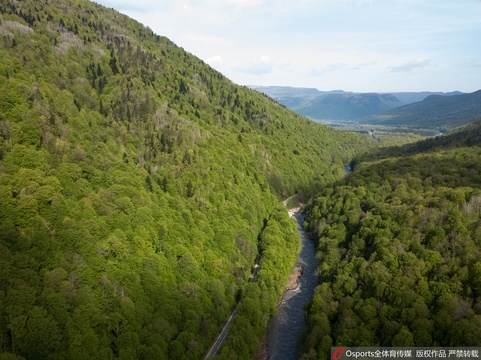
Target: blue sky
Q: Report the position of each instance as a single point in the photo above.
(353, 45)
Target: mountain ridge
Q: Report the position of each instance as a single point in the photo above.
(342, 105)
(135, 187)
(435, 112)
(348, 106)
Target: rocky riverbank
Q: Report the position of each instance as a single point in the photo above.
(292, 284)
(293, 281)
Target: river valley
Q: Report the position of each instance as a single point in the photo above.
(286, 327)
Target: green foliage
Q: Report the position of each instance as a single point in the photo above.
(134, 182)
(398, 246)
(466, 136)
(279, 246)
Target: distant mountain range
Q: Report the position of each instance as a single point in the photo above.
(432, 110)
(285, 92)
(330, 105)
(347, 106)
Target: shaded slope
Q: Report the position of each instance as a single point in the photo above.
(134, 183)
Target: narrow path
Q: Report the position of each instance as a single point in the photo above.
(222, 336)
(225, 330)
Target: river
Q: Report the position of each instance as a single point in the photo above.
(286, 326)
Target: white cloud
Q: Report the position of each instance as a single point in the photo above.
(222, 5)
(245, 2)
(132, 5)
(265, 59)
(257, 66)
(204, 39)
(334, 67)
(327, 69)
(214, 60)
(314, 73)
(410, 66)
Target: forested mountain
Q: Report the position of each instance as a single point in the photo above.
(341, 105)
(434, 112)
(467, 136)
(348, 106)
(330, 105)
(399, 249)
(137, 186)
(412, 97)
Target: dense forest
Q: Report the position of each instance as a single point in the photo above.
(399, 249)
(279, 246)
(137, 187)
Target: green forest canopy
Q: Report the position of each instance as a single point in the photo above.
(399, 249)
(135, 182)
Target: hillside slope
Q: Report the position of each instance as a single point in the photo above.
(467, 136)
(399, 244)
(341, 105)
(348, 106)
(330, 105)
(134, 185)
(412, 97)
(434, 112)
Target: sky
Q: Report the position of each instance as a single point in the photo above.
(351, 45)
